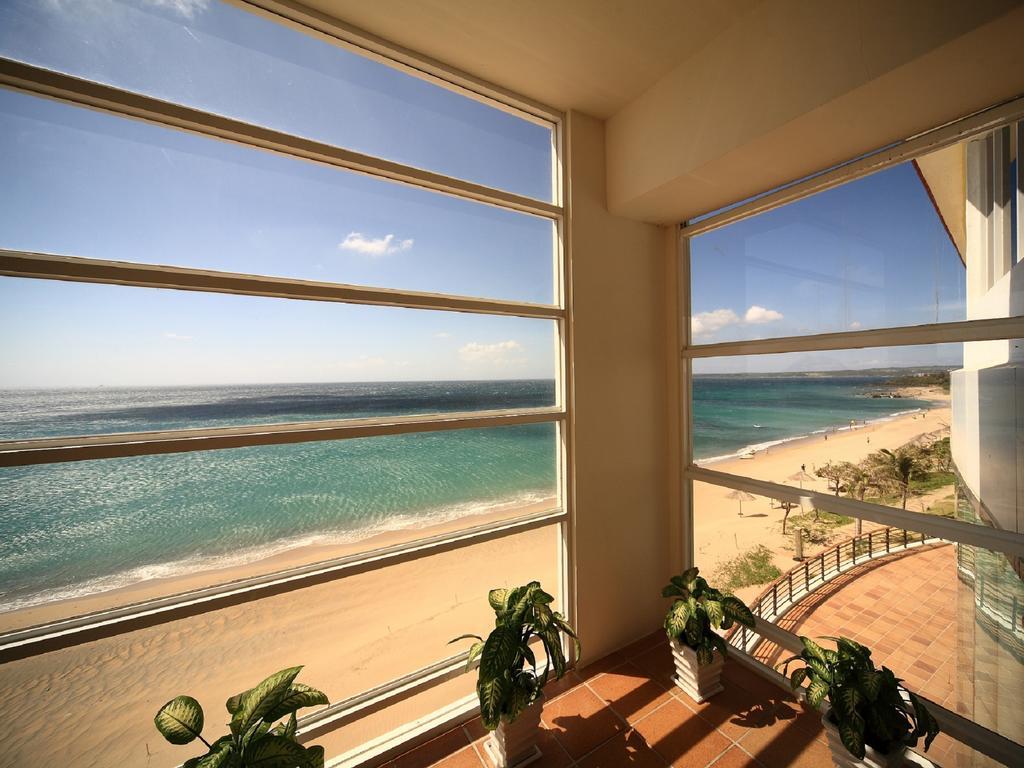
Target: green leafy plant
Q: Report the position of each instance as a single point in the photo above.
(867, 705)
(254, 739)
(506, 685)
(697, 609)
(755, 566)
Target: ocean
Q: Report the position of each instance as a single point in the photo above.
(79, 528)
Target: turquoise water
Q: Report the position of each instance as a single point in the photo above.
(83, 527)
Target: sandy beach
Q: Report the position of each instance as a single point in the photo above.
(352, 634)
(720, 533)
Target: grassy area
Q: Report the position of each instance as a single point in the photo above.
(755, 566)
(820, 530)
(931, 481)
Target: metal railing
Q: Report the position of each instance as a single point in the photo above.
(817, 570)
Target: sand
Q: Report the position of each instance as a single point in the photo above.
(92, 705)
(720, 533)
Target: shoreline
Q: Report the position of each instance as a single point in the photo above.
(300, 555)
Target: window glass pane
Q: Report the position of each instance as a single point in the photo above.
(80, 358)
(130, 191)
(968, 658)
(80, 536)
(352, 634)
(914, 244)
(218, 57)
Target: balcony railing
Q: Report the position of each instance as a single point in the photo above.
(817, 570)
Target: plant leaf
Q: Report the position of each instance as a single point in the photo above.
(453, 640)
(797, 677)
(852, 739)
(315, 756)
(258, 701)
(275, 752)
(849, 698)
(715, 611)
(180, 720)
(222, 754)
(871, 683)
(671, 591)
(296, 697)
(498, 598)
(704, 655)
(499, 651)
(737, 610)
(491, 693)
(816, 693)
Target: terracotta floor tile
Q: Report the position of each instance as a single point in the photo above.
(734, 711)
(434, 750)
(629, 691)
(466, 757)
(605, 664)
(682, 737)
(735, 757)
(785, 743)
(626, 749)
(556, 688)
(644, 643)
(657, 663)
(581, 721)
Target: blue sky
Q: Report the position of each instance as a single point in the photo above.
(866, 255)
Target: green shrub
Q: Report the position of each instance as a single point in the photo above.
(505, 686)
(755, 566)
(254, 740)
(697, 609)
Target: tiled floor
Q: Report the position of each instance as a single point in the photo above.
(624, 711)
(885, 605)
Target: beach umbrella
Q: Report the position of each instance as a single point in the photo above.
(801, 476)
(741, 496)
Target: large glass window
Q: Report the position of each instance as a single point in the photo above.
(826, 450)
(211, 468)
(220, 58)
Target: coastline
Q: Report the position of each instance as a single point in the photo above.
(355, 632)
(293, 557)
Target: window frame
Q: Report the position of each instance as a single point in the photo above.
(41, 82)
(985, 122)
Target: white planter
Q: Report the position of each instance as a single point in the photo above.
(513, 745)
(698, 682)
(841, 757)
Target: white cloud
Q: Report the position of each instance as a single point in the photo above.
(442, 335)
(757, 315)
(709, 322)
(499, 353)
(177, 337)
(186, 8)
(378, 246)
(856, 325)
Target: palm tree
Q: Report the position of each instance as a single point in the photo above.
(896, 468)
(857, 481)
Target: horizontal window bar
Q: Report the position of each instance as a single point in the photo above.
(102, 624)
(21, 453)
(45, 82)
(956, 726)
(915, 146)
(49, 266)
(1007, 542)
(379, 49)
(937, 333)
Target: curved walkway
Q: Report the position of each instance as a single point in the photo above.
(903, 607)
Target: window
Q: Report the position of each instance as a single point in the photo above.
(853, 384)
(282, 357)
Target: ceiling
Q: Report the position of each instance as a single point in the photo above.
(595, 56)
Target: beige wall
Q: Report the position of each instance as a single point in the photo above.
(621, 401)
(795, 86)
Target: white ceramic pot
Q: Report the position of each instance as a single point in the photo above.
(841, 757)
(513, 745)
(698, 682)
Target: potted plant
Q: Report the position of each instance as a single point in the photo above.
(509, 684)
(870, 718)
(696, 611)
(254, 739)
